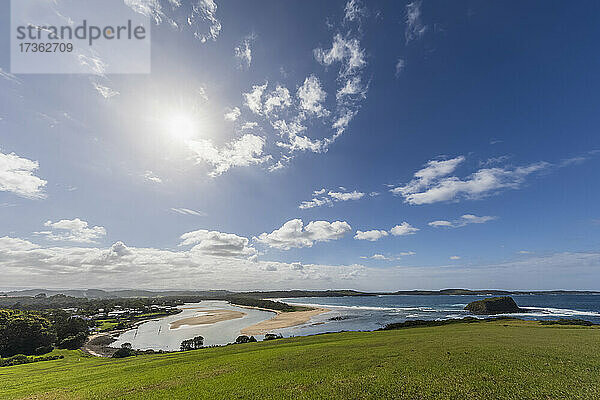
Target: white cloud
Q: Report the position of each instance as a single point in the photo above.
(295, 141)
(294, 234)
(311, 96)
(205, 11)
(352, 87)
(345, 196)
(403, 229)
(400, 64)
(17, 176)
(463, 221)
(323, 197)
(455, 257)
(105, 91)
(315, 202)
(371, 236)
(199, 16)
(414, 26)
(432, 184)
(243, 52)
(232, 114)
(244, 151)
(219, 244)
(354, 11)
(253, 99)
(407, 253)
(277, 100)
(525, 252)
(344, 50)
(424, 177)
(188, 211)
(72, 230)
(151, 177)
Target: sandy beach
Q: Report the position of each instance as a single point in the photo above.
(283, 320)
(209, 317)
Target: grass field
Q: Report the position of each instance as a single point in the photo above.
(486, 360)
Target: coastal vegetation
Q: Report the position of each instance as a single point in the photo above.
(498, 359)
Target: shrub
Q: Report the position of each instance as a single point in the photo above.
(245, 339)
(73, 342)
(192, 344)
(272, 336)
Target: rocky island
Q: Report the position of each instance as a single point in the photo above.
(494, 305)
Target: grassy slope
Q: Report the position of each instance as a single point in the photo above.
(504, 359)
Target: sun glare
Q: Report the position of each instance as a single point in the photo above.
(181, 126)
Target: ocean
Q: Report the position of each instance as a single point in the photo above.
(362, 313)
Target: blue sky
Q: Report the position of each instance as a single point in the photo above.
(375, 146)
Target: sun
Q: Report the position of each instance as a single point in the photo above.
(181, 126)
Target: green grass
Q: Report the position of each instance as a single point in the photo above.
(487, 360)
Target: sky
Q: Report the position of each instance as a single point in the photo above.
(313, 145)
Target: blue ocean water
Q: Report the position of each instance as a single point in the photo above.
(360, 313)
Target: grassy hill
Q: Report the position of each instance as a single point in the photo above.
(486, 360)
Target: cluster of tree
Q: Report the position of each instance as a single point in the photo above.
(86, 306)
(245, 339)
(125, 351)
(272, 336)
(29, 333)
(192, 344)
(23, 359)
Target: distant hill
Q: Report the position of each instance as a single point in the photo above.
(132, 293)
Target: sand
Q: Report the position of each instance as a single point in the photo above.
(208, 317)
(282, 320)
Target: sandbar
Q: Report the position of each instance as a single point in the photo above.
(208, 317)
(283, 320)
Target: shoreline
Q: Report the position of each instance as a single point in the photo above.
(209, 317)
(283, 320)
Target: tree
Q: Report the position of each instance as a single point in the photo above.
(245, 339)
(124, 351)
(24, 333)
(192, 344)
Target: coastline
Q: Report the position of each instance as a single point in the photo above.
(283, 320)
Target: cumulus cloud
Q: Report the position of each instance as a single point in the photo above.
(28, 264)
(219, 244)
(232, 114)
(151, 177)
(72, 230)
(277, 100)
(253, 99)
(415, 28)
(372, 235)
(403, 229)
(199, 16)
(432, 183)
(17, 176)
(311, 96)
(244, 151)
(354, 11)
(105, 91)
(463, 221)
(343, 50)
(323, 197)
(293, 234)
(243, 52)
